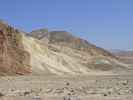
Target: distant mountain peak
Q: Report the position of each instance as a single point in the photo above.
(39, 33)
(65, 38)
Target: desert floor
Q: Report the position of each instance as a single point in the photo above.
(67, 88)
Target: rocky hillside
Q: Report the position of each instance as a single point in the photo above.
(13, 58)
(125, 56)
(71, 54)
(66, 39)
(56, 52)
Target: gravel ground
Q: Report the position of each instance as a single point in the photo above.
(66, 88)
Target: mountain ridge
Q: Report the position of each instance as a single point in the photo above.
(63, 36)
(57, 52)
(125, 56)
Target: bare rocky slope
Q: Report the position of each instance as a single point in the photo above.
(57, 52)
(13, 58)
(73, 55)
(64, 38)
(124, 56)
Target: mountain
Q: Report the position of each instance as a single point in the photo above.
(125, 56)
(52, 53)
(64, 38)
(13, 58)
(76, 55)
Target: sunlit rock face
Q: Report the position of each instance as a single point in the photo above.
(13, 58)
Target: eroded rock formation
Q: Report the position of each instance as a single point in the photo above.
(13, 58)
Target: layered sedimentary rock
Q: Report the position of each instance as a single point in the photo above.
(58, 52)
(13, 58)
(64, 53)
